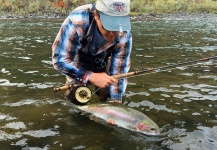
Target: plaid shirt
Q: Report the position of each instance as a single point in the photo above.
(67, 44)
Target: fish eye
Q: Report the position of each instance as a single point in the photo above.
(152, 129)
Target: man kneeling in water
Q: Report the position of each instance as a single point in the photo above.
(90, 37)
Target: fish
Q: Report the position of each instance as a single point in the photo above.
(120, 116)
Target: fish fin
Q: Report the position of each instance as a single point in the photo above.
(73, 108)
(111, 121)
(92, 117)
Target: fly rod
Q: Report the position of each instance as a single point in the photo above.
(137, 72)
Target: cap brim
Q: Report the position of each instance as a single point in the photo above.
(113, 23)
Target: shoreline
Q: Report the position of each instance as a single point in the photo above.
(175, 17)
(144, 17)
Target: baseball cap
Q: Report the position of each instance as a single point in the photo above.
(114, 14)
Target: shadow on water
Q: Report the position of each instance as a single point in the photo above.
(182, 101)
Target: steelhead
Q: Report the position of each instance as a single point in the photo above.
(122, 116)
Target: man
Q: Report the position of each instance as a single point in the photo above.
(89, 38)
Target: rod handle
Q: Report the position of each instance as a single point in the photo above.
(129, 74)
(62, 88)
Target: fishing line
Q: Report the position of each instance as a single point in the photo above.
(95, 91)
(83, 93)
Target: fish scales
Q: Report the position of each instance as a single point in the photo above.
(110, 112)
(122, 116)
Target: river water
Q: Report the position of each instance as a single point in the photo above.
(181, 100)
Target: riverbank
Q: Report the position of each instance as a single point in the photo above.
(175, 16)
(143, 17)
(34, 15)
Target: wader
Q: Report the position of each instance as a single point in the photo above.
(103, 93)
(95, 63)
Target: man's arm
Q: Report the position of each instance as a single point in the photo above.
(120, 64)
(64, 50)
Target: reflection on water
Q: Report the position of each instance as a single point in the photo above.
(181, 100)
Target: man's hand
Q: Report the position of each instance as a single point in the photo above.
(102, 80)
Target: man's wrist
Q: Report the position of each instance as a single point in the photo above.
(116, 97)
(86, 77)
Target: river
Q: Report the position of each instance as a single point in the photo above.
(181, 100)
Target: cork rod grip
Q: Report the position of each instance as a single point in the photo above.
(62, 88)
(129, 74)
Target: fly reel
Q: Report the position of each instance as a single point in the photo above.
(82, 94)
(78, 94)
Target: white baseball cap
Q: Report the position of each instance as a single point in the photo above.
(114, 14)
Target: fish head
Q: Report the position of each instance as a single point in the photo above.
(147, 127)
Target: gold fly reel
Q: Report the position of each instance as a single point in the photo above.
(82, 94)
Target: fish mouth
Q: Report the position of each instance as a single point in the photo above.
(146, 129)
(151, 132)
(154, 131)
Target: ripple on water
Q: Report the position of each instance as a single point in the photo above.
(5, 136)
(17, 48)
(3, 70)
(41, 133)
(209, 77)
(10, 39)
(47, 62)
(147, 56)
(139, 49)
(25, 58)
(15, 125)
(187, 74)
(5, 82)
(203, 137)
(193, 92)
(34, 133)
(161, 89)
(129, 94)
(151, 106)
(175, 85)
(196, 114)
(182, 68)
(44, 85)
(6, 117)
(32, 102)
(192, 95)
(22, 102)
(39, 41)
(165, 95)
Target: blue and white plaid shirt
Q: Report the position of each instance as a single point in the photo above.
(67, 44)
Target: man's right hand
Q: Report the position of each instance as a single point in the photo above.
(102, 80)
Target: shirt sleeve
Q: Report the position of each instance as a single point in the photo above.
(120, 64)
(65, 49)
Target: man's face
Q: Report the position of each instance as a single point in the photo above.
(108, 35)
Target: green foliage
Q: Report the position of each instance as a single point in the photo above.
(136, 6)
(175, 6)
(25, 7)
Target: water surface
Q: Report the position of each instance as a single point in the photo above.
(181, 100)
